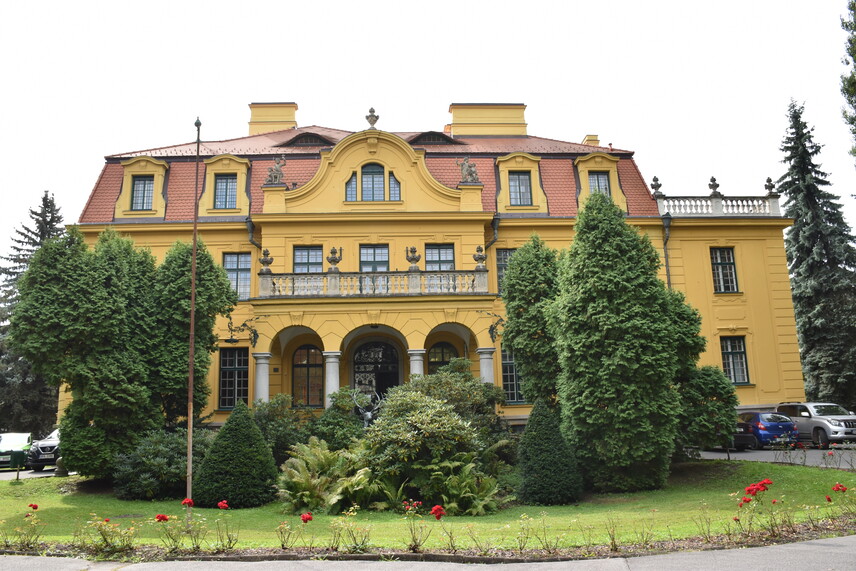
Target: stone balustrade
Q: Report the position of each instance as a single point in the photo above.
(372, 284)
(718, 206)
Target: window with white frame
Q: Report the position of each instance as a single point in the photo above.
(734, 359)
(142, 192)
(225, 191)
(238, 268)
(520, 188)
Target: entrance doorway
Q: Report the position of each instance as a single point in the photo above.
(375, 367)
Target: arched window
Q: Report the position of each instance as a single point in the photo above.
(307, 374)
(439, 355)
(372, 180)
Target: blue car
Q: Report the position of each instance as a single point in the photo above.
(770, 428)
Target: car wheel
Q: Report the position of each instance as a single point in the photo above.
(821, 439)
(37, 468)
(755, 445)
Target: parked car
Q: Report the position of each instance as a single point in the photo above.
(770, 428)
(44, 452)
(10, 443)
(821, 422)
(743, 439)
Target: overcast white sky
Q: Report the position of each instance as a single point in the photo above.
(696, 89)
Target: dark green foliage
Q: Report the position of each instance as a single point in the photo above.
(548, 468)
(339, 425)
(214, 296)
(616, 342)
(77, 321)
(156, 469)
(239, 467)
(281, 424)
(848, 80)
(822, 263)
(708, 404)
(473, 400)
(529, 285)
(27, 402)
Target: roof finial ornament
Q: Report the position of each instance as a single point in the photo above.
(713, 186)
(275, 172)
(468, 170)
(372, 118)
(655, 185)
(771, 188)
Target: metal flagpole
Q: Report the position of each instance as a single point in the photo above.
(191, 359)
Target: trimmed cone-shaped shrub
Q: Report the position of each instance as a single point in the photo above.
(239, 467)
(549, 474)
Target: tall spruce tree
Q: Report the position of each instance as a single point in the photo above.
(848, 80)
(27, 402)
(822, 262)
(612, 322)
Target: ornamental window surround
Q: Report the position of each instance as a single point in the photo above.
(724, 270)
(734, 362)
(373, 183)
(142, 192)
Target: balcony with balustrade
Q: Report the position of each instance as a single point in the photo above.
(718, 205)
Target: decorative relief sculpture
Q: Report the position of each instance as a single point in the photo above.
(413, 258)
(334, 258)
(265, 261)
(275, 172)
(468, 170)
(480, 258)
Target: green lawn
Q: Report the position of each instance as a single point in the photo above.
(697, 492)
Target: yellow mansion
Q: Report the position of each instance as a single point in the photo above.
(364, 257)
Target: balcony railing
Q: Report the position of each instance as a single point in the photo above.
(710, 206)
(372, 284)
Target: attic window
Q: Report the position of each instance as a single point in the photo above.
(309, 141)
(431, 139)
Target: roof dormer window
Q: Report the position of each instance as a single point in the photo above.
(376, 184)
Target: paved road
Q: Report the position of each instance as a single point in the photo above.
(836, 554)
(6, 474)
(840, 458)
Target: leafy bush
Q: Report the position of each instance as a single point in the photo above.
(157, 467)
(281, 424)
(708, 408)
(338, 425)
(548, 468)
(239, 468)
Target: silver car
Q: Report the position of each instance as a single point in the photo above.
(821, 422)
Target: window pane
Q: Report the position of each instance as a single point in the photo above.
(374, 258)
(734, 359)
(142, 192)
(307, 259)
(510, 379)
(308, 376)
(372, 181)
(234, 377)
(351, 189)
(238, 271)
(502, 257)
(225, 191)
(439, 257)
(439, 355)
(519, 188)
(599, 182)
(394, 188)
(724, 270)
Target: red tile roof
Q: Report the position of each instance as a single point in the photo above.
(448, 173)
(297, 170)
(182, 180)
(102, 200)
(560, 186)
(639, 199)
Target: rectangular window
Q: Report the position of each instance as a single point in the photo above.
(374, 258)
(394, 188)
(502, 257)
(308, 259)
(510, 379)
(234, 377)
(599, 183)
(226, 191)
(734, 359)
(520, 188)
(142, 193)
(372, 181)
(439, 257)
(238, 270)
(351, 189)
(724, 270)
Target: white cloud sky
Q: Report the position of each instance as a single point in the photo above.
(696, 89)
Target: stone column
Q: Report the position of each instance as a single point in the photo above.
(331, 374)
(262, 376)
(486, 364)
(417, 361)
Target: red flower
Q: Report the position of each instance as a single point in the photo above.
(735, 518)
(766, 481)
(34, 507)
(839, 487)
(774, 501)
(306, 518)
(829, 453)
(739, 504)
(438, 512)
(828, 499)
(31, 515)
(223, 505)
(106, 519)
(745, 500)
(161, 517)
(187, 502)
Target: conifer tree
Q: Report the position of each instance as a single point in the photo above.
(27, 402)
(612, 322)
(529, 285)
(848, 80)
(822, 262)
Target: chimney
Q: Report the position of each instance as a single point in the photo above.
(591, 140)
(495, 119)
(267, 117)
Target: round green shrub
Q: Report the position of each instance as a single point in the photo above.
(548, 468)
(281, 424)
(239, 467)
(156, 468)
(338, 425)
